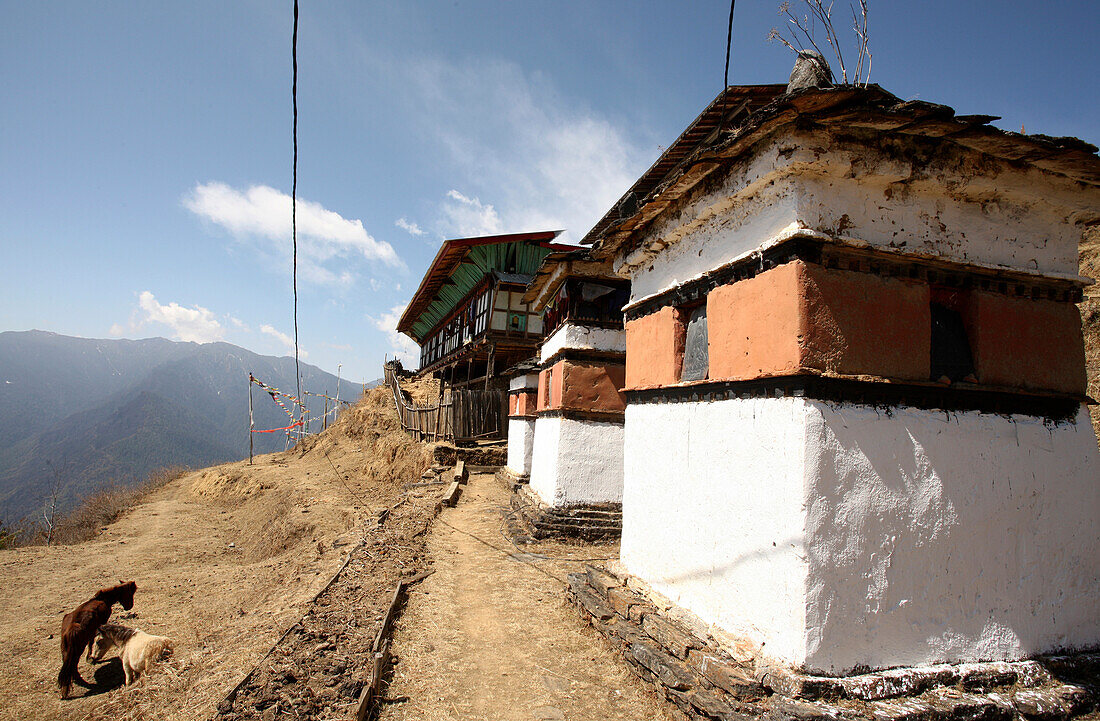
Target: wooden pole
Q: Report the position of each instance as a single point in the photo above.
(336, 408)
(490, 365)
(439, 407)
(251, 422)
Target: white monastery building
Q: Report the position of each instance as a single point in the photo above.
(577, 455)
(855, 432)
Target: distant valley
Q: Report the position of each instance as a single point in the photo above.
(94, 412)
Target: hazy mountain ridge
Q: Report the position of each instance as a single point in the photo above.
(104, 411)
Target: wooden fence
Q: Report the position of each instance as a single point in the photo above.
(460, 416)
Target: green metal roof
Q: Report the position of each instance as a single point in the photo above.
(461, 265)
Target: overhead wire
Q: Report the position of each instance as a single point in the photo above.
(294, 199)
(726, 76)
(729, 43)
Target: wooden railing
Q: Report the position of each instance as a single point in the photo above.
(460, 415)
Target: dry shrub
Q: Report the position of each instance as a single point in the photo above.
(391, 454)
(107, 504)
(229, 484)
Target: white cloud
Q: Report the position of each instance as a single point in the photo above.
(468, 217)
(528, 158)
(261, 212)
(401, 345)
(284, 339)
(411, 228)
(196, 324)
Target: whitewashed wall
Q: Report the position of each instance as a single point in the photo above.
(939, 536)
(712, 513)
(577, 461)
(840, 535)
(993, 214)
(520, 382)
(582, 337)
(521, 443)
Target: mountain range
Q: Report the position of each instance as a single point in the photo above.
(81, 413)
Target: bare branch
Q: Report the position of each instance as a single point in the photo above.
(776, 35)
(821, 11)
(801, 25)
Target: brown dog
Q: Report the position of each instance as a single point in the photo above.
(79, 626)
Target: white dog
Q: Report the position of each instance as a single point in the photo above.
(137, 649)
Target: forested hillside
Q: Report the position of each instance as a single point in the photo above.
(81, 413)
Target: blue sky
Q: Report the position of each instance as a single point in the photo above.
(145, 147)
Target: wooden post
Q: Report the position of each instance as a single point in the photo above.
(336, 403)
(490, 365)
(439, 407)
(251, 422)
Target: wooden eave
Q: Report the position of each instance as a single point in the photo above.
(449, 257)
(694, 157)
(556, 268)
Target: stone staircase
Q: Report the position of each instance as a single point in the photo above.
(533, 520)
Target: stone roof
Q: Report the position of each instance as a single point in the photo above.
(696, 155)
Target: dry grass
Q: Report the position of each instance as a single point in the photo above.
(102, 508)
(225, 558)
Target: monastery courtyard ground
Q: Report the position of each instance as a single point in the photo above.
(489, 635)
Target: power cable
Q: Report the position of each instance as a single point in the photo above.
(726, 77)
(294, 199)
(729, 42)
(340, 478)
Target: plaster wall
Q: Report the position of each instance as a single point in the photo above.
(802, 317)
(1025, 343)
(945, 202)
(840, 535)
(654, 349)
(521, 443)
(577, 461)
(754, 326)
(862, 324)
(550, 380)
(937, 537)
(593, 386)
(523, 403)
(582, 337)
(712, 513)
(527, 380)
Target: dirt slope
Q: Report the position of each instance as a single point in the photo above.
(225, 559)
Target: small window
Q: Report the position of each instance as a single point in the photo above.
(951, 356)
(696, 354)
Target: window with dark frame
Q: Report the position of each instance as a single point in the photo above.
(696, 362)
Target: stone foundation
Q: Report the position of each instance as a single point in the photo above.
(533, 520)
(705, 681)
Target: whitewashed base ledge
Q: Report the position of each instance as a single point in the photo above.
(510, 478)
(696, 674)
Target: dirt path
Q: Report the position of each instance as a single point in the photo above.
(489, 635)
